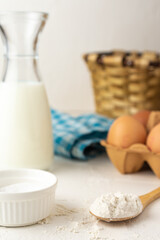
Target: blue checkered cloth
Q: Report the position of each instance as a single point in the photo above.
(79, 137)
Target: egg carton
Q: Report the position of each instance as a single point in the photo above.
(131, 159)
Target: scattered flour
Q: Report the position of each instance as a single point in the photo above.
(116, 205)
(63, 211)
(60, 228)
(75, 227)
(46, 220)
(78, 221)
(85, 222)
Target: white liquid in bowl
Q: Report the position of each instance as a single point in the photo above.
(21, 187)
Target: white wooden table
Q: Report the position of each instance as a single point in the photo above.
(79, 183)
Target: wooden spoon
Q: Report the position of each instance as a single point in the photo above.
(146, 199)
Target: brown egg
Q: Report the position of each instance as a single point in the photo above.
(126, 131)
(153, 139)
(153, 120)
(142, 117)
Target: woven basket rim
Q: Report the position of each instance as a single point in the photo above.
(144, 59)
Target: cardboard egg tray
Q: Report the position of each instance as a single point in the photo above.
(130, 160)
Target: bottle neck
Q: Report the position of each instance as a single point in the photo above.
(20, 33)
(18, 69)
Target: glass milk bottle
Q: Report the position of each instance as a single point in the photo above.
(25, 119)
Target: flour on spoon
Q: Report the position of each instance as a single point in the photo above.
(117, 205)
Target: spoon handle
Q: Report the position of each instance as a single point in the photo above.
(150, 197)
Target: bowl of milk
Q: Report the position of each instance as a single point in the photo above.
(26, 196)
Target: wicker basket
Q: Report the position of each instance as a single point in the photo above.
(125, 82)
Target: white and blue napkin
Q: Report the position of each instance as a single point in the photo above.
(79, 137)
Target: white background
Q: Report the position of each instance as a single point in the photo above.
(79, 26)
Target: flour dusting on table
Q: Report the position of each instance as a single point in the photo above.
(77, 221)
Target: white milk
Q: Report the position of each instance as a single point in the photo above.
(25, 126)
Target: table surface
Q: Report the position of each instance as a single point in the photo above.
(79, 183)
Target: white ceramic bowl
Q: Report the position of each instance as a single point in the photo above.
(26, 196)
